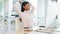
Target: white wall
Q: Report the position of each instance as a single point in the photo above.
(51, 13)
(41, 8)
(41, 12)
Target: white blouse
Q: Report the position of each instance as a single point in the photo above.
(27, 18)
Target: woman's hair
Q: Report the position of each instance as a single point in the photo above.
(23, 4)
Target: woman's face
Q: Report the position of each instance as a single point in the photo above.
(27, 6)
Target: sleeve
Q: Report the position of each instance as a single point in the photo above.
(31, 10)
(16, 7)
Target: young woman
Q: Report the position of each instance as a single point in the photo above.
(26, 13)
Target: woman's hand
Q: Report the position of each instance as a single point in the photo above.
(32, 6)
(20, 1)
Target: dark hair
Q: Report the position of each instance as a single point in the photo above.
(23, 4)
(20, 19)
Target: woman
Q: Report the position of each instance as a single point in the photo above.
(26, 13)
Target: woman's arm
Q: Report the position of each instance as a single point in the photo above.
(16, 8)
(33, 8)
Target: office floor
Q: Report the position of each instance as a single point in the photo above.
(14, 32)
(19, 32)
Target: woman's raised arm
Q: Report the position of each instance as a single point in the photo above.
(33, 8)
(16, 8)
